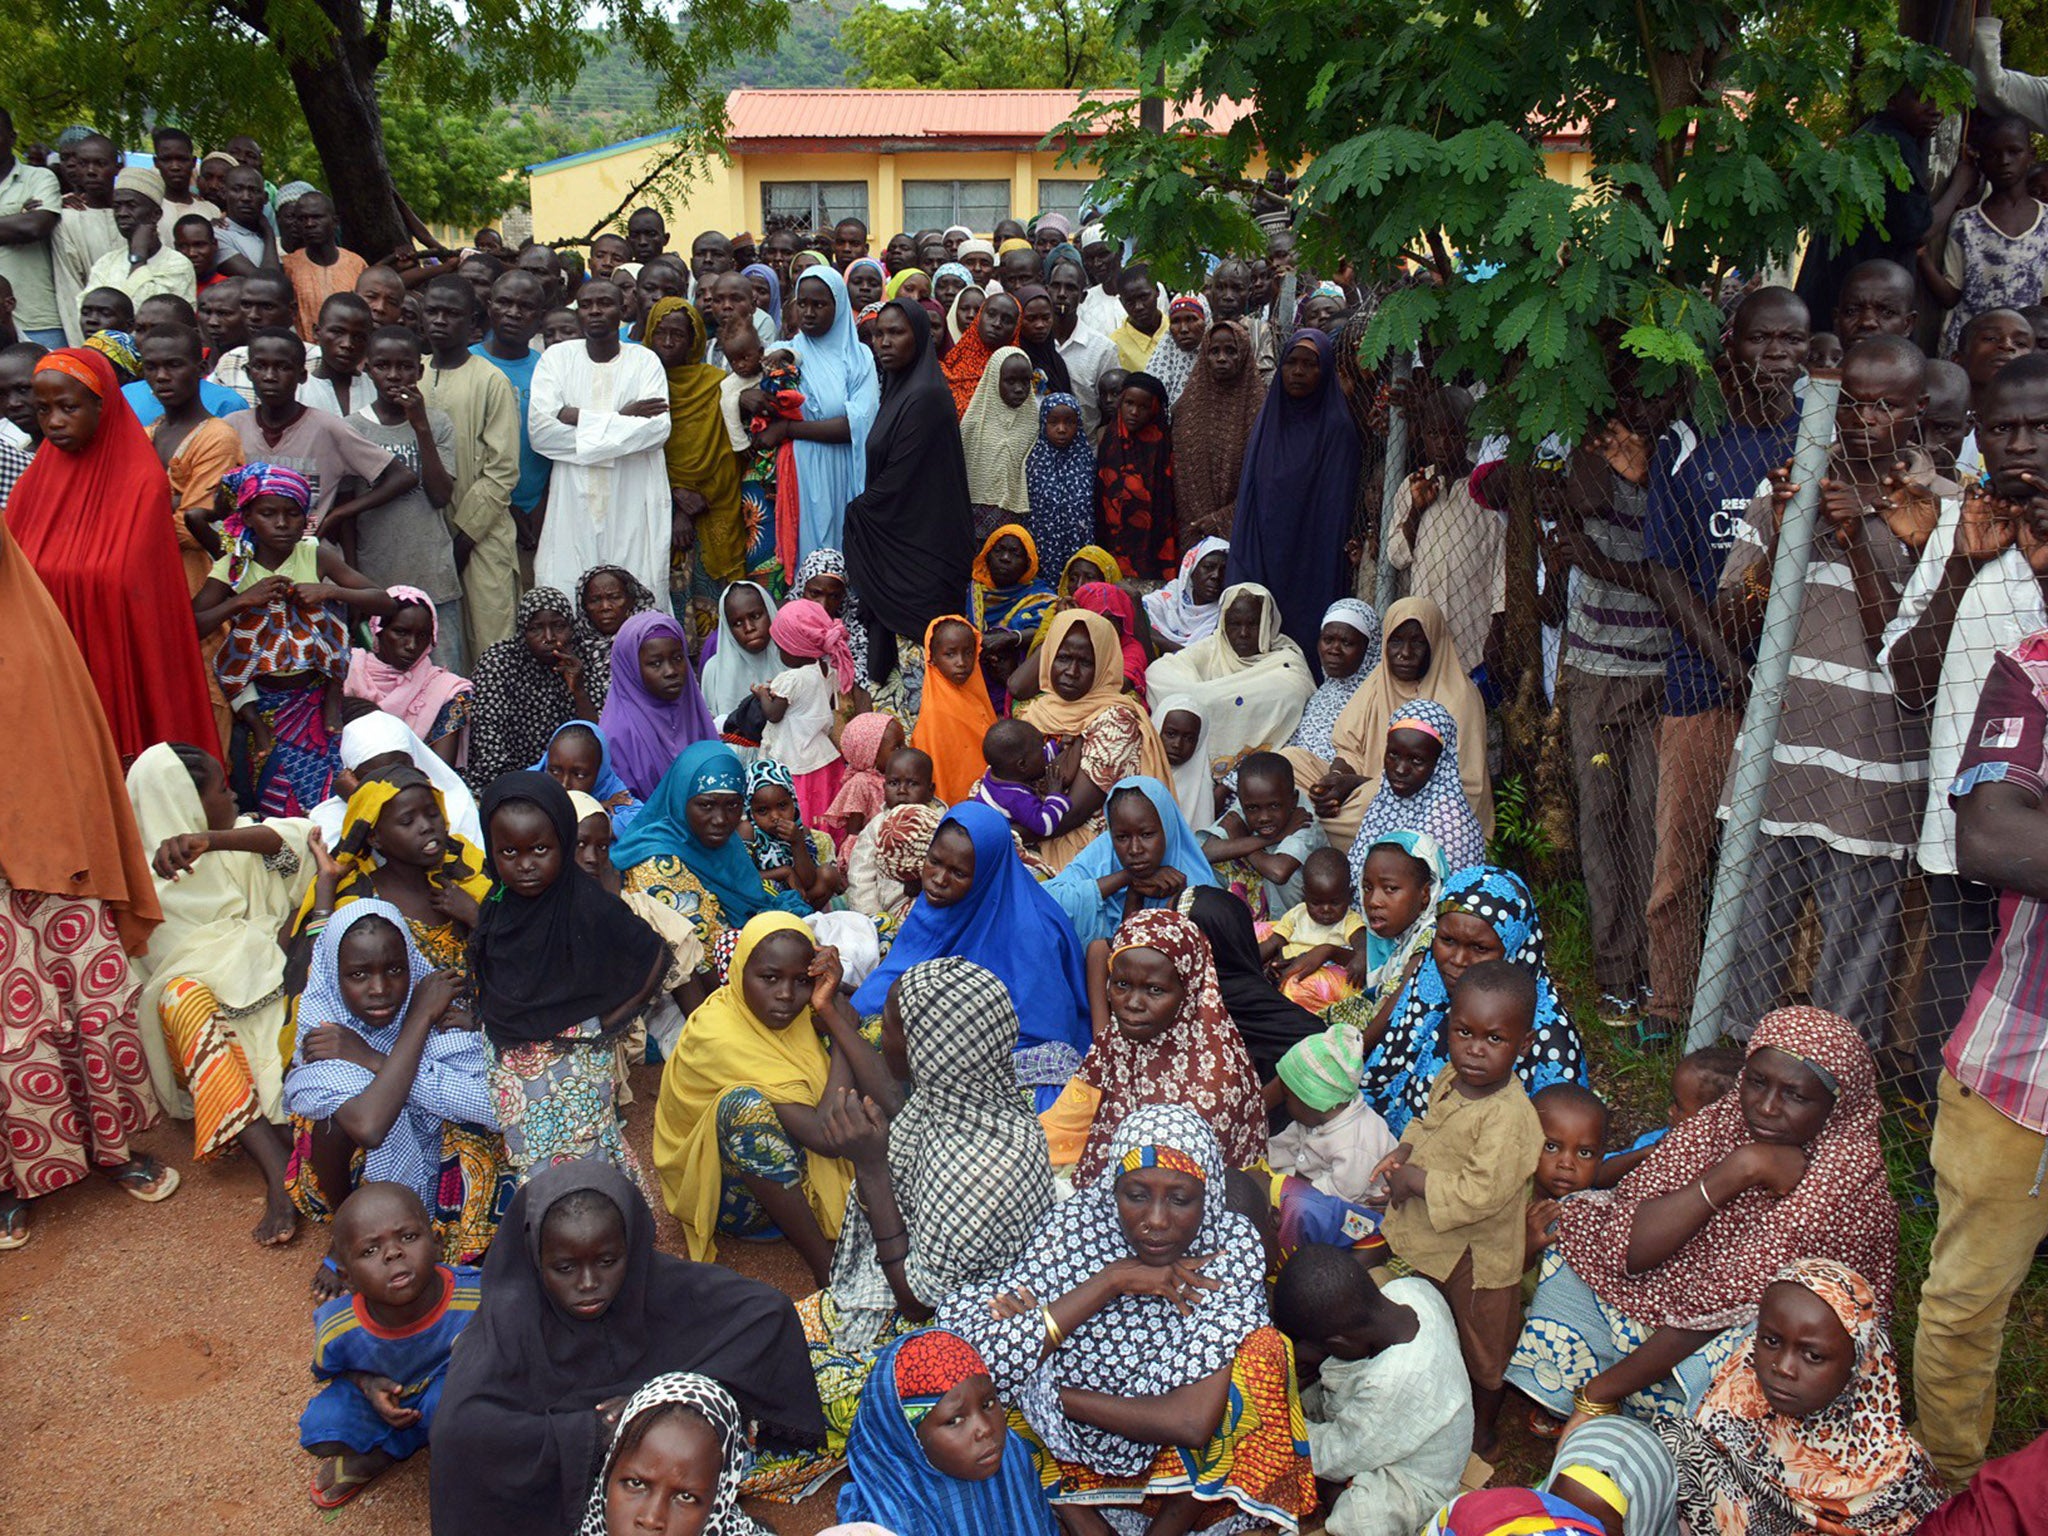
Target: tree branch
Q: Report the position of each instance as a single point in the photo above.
(659, 169)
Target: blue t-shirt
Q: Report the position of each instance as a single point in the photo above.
(346, 1338)
(532, 488)
(1699, 489)
(218, 399)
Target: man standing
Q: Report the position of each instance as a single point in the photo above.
(1101, 309)
(484, 411)
(221, 326)
(144, 266)
(517, 305)
(176, 160)
(1229, 293)
(1143, 323)
(192, 237)
(606, 253)
(1878, 298)
(1085, 350)
(600, 413)
(88, 230)
(849, 242)
(319, 267)
(647, 234)
(544, 264)
(158, 313)
(31, 203)
(710, 255)
(266, 302)
(248, 243)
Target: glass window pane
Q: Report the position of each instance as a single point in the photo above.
(980, 204)
(1062, 197)
(928, 205)
(842, 200)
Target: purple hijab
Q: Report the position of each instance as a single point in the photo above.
(646, 734)
(1295, 498)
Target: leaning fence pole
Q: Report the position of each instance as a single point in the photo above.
(1766, 699)
(1384, 593)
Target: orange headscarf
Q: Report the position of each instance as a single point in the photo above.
(967, 361)
(952, 720)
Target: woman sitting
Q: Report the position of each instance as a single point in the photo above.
(1486, 913)
(740, 1135)
(1248, 680)
(607, 596)
(553, 670)
(214, 972)
(579, 1312)
(1133, 1336)
(400, 676)
(1653, 1284)
(680, 1441)
(1348, 650)
(977, 901)
(1115, 604)
(1419, 661)
(1009, 595)
(1420, 790)
(945, 1196)
(1803, 1431)
(1145, 857)
(655, 710)
(1103, 736)
(1190, 607)
(931, 1451)
(390, 1081)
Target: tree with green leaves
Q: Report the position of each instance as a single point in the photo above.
(987, 45)
(228, 66)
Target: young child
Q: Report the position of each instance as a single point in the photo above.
(739, 656)
(1823, 350)
(997, 434)
(558, 326)
(1701, 1078)
(285, 659)
(1335, 1139)
(1109, 390)
(1309, 947)
(1453, 547)
(654, 710)
(1059, 475)
(868, 741)
(1574, 1121)
(1185, 736)
(818, 666)
(906, 781)
(405, 541)
(780, 386)
(955, 712)
(1996, 250)
(742, 347)
(579, 759)
(1259, 849)
(680, 1449)
(334, 383)
(1945, 418)
(1457, 1186)
(1398, 887)
(382, 1349)
(1388, 1414)
(1018, 756)
(787, 853)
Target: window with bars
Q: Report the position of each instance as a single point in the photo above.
(1063, 197)
(811, 205)
(980, 205)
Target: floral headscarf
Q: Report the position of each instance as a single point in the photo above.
(1744, 1469)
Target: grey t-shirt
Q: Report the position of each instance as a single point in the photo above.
(406, 542)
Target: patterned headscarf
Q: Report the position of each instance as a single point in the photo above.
(1744, 1469)
(1170, 364)
(770, 851)
(119, 347)
(1199, 1061)
(863, 792)
(830, 562)
(1841, 1208)
(1399, 1073)
(1319, 715)
(1061, 486)
(1174, 613)
(1439, 808)
(520, 700)
(259, 479)
(903, 837)
(714, 1405)
(967, 1158)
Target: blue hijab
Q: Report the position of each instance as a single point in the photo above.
(1014, 930)
(1096, 916)
(608, 782)
(728, 873)
(892, 1483)
(1404, 1066)
(838, 378)
(763, 270)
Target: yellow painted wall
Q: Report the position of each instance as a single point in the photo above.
(569, 200)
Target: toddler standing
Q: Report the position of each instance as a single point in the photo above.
(798, 701)
(1457, 1186)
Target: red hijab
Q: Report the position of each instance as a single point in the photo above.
(97, 528)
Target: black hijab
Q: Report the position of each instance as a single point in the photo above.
(909, 535)
(546, 963)
(1269, 1021)
(516, 1443)
(1045, 355)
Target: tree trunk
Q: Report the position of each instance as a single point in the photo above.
(337, 90)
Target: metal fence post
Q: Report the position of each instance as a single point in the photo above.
(1384, 592)
(1766, 698)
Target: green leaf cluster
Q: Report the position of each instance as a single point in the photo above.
(987, 45)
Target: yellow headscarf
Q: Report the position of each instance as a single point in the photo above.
(1070, 717)
(699, 452)
(724, 1047)
(463, 868)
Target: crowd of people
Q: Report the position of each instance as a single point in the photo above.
(933, 705)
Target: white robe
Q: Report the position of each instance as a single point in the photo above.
(608, 500)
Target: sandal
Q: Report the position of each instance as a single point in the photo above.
(1543, 1426)
(342, 1485)
(137, 1177)
(14, 1228)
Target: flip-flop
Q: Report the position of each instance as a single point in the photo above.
(1543, 1426)
(135, 1179)
(342, 1489)
(14, 1228)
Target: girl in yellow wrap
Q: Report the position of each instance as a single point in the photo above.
(703, 471)
(770, 1084)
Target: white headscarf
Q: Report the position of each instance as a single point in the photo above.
(1174, 613)
(1249, 703)
(1194, 791)
(732, 671)
(375, 735)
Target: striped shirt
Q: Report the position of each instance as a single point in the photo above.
(346, 1338)
(1615, 632)
(2000, 1050)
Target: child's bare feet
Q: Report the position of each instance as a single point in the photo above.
(337, 1479)
(280, 1223)
(327, 1282)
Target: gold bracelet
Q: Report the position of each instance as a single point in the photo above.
(1708, 1198)
(1053, 1334)
(1591, 1409)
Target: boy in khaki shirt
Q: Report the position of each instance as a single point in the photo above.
(1458, 1185)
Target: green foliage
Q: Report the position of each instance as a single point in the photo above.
(987, 45)
(1520, 840)
(1713, 134)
